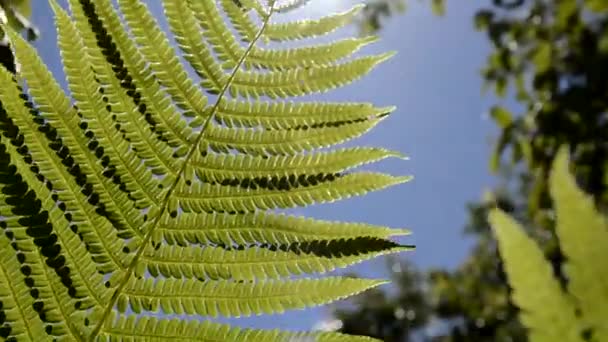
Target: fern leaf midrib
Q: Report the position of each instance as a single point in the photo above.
(308, 56)
(289, 165)
(165, 203)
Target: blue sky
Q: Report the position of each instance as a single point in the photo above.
(434, 81)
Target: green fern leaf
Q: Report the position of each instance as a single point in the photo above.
(233, 298)
(239, 17)
(134, 328)
(147, 191)
(545, 311)
(285, 142)
(583, 236)
(249, 196)
(221, 167)
(262, 262)
(17, 304)
(184, 26)
(310, 28)
(155, 49)
(244, 229)
(303, 81)
(301, 115)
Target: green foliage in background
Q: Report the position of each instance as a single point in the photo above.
(551, 60)
(146, 196)
(371, 18)
(389, 316)
(548, 312)
(550, 57)
(554, 60)
(16, 13)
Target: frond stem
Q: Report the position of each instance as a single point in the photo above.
(194, 147)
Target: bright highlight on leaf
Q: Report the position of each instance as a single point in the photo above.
(143, 192)
(547, 311)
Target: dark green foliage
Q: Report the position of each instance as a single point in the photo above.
(16, 13)
(376, 11)
(556, 58)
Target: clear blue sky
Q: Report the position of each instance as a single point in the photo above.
(434, 81)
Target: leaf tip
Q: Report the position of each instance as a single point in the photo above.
(370, 39)
(404, 179)
(400, 232)
(385, 56)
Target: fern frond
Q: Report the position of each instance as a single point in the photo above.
(296, 30)
(258, 6)
(226, 229)
(75, 193)
(141, 84)
(216, 32)
(138, 192)
(235, 299)
(183, 25)
(250, 262)
(95, 116)
(249, 195)
(239, 16)
(133, 119)
(57, 253)
(162, 60)
(20, 320)
(285, 141)
(306, 57)
(583, 236)
(301, 115)
(548, 314)
(218, 168)
(290, 5)
(136, 328)
(229, 50)
(303, 81)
